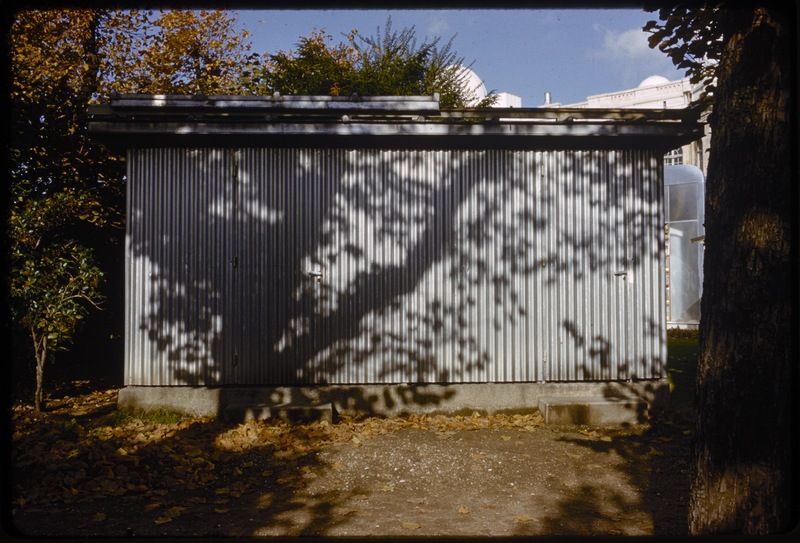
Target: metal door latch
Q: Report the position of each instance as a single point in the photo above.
(628, 275)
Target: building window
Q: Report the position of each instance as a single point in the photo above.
(674, 157)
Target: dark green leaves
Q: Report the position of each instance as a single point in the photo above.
(692, 36)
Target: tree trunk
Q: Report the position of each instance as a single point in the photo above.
(40, 354)
(743, 449)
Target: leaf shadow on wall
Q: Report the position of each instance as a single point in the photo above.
(350, 266)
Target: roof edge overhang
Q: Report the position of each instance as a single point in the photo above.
(225, 121)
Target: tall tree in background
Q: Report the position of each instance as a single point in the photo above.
(316, 68)
(744, 443)
(391, 63)
(176, 52)
(67, 192)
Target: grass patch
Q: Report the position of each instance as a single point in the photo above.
(682, 368)
(157, 416)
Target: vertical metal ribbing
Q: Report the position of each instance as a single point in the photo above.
(513, 279)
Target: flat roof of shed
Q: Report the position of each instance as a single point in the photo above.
(149, 120)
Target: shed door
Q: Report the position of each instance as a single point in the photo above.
(281, 198)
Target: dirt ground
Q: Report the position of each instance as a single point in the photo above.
(83, 469)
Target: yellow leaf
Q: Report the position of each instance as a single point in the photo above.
(99, 517)
(223, 490)
(163, 520)
(505, 438)
(220, 510)
(410, 525)
(463, 510)
(655, 451)
(175, 512)
(522, 518)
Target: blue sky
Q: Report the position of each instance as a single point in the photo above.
(572, 53)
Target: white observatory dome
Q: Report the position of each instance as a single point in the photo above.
(652, 81)
(473, 82)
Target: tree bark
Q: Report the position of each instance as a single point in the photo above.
(744, 479)
(40, 354)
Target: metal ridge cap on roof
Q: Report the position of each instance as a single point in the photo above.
(573, 114)
(172, 132)
(275, 97)
(149, 106)
(157, 104)
(415, 120)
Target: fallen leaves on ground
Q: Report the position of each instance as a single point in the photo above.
(82, 450)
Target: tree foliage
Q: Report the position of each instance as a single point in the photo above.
(67, 191)
(54, 279)
(690, 34)
(175, 52)
(316, 68)
(390, 63)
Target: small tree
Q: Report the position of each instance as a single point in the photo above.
(53, 280)
(67, 190)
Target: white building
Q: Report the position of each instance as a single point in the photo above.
(505, 99)
(475, 84)
(657, 92)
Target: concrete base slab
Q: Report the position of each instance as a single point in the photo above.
(286, 411)
(592, 411)
(391, 400)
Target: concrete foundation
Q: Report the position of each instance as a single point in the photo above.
(285, 411)
(389, 400)
(592, 411)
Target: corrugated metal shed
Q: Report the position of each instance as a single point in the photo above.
(313, 240)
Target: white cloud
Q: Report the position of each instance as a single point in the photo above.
(438, 26)
(628, 54)
(627, 45)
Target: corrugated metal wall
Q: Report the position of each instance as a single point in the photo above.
(296, 266)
